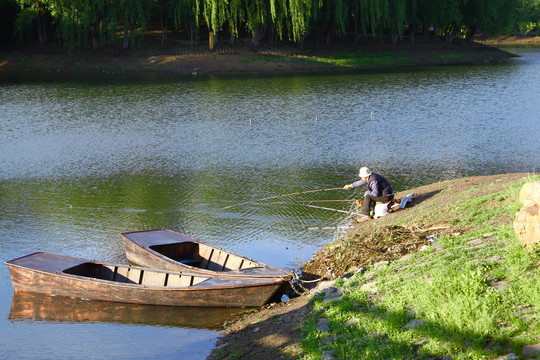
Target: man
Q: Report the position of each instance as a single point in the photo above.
(378, 189)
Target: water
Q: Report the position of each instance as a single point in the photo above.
(85, 158)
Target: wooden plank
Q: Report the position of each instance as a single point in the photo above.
(121, 274)
(179, 280)
(213, 262)
(234, 263)
(206, 253)
(134, 275)
(248, 264)
(152, 278)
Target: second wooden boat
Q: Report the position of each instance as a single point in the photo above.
(52, 274)
(170, 250)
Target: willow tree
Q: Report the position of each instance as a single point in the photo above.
(491, 16)
(368, 16)
(236, 18)
(81, 21)
(214, 12)
(396, 18)
(256, 13)
(300, 16)
(32, 11)
(278, 17)
(132, 16)
(329, 17)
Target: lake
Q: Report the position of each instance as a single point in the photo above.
(83, 158)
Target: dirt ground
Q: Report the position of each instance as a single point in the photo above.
(180, 60)
(274, 332)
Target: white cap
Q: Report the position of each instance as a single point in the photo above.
(364, 172)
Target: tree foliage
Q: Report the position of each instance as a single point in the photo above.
(81, 22)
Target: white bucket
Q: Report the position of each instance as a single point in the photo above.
(381, 210)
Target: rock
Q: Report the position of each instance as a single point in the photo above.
(531, 349)
(475, 242)
(414, 324)
(322, 325)
(501, 285)
(405, 257)
(328, 355)
(322, 288)
(336, 297)
(381, 264)
(369, 287)
(496, 258)
(530, 191)
(424, 248)
(527, 221)
(438, 246)
(510, 356)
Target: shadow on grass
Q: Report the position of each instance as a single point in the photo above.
(419, 198)
(368, 331)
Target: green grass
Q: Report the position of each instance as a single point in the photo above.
(343, 59)
(360, 58)
(449, 291)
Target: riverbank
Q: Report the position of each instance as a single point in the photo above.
(181, 60)
(472, 293)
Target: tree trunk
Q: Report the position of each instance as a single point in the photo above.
(301, 41)
(356, 33)
(470, 33)
(96, 35)
(163, 19)
(193, 39)
(328, 35)
(125, 40)
(256, 38)
(411, 33)
(41, 29)
(450, 34)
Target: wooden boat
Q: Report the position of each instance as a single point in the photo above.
(96, 280)
(169, 250)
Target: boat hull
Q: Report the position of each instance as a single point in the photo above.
(27, 275)
(166, 249)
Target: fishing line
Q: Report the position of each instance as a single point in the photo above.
(278, 196)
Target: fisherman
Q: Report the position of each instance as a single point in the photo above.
(378, 189)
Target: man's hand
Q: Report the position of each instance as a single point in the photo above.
(348, 186)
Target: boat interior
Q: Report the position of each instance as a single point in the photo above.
(203, 256)
(131, 275)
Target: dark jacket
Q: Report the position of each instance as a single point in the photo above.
(376, 185)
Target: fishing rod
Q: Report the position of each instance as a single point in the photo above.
(325, 208)
(308, 201)
(283, 195)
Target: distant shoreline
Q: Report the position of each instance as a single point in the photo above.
(243, 59)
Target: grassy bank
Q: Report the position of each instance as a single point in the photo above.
(473, 293)
(444, 279)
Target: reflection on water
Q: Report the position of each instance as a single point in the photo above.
(30, 306)
(83, 159)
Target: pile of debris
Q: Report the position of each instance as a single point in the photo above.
(386, 243)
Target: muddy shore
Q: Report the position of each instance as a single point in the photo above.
(181, 60)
